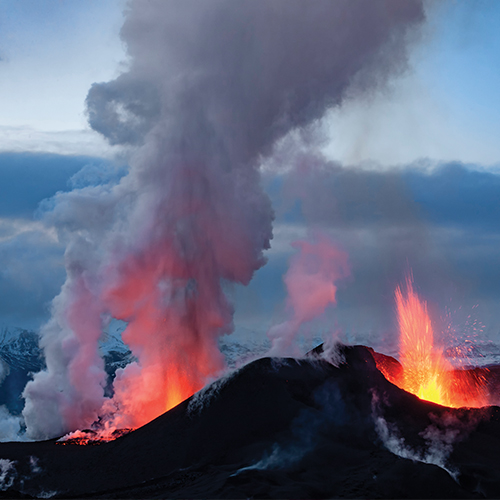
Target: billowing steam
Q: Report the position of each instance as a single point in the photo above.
(311, 284)
(211, 86)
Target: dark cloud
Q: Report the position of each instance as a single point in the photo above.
(123, 110)
(28, 178)
(457, 195)
(31, 255)
(451, 195)
(32, 272)
(441, 223)
(351, 197)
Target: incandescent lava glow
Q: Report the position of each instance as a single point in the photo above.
(90, 437)
(422, 363)
(425, 370)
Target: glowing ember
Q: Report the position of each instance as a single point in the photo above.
(425, 371)
(90, 437)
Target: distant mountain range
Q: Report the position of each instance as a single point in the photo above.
(19, 349)
(21, 356)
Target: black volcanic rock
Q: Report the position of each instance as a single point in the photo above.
(280, 428)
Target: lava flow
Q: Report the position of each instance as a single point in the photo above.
(90, 437)
(424, 371)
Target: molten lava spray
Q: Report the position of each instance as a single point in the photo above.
(424, 366)
(210, 86)
(426, 372)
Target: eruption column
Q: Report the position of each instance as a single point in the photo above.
(210, 87)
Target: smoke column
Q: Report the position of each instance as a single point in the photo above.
(210, 87)
(311, 285)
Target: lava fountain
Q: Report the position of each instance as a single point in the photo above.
(424, 370)
(208, 90)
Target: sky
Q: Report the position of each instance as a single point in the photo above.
(404, 175)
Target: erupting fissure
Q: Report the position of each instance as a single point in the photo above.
(425, 370)
(208, 91)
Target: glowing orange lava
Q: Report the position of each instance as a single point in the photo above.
(425, 371)
(89, 437)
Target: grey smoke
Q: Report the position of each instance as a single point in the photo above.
(211, 86)
(440, 436)
(123, 111)
(258, 68)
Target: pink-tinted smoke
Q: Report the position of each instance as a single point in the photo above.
(210, 86)
(170, 292)
(311, 283)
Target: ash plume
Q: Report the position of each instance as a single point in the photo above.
(210, 87)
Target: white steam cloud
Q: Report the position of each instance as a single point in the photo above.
(211, 86)
(8, 473)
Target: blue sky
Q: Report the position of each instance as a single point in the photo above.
(427, 144)
(445, 107)
(51, 52)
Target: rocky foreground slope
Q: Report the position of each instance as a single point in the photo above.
(279, 428)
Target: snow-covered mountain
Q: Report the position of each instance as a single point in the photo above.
(466, 354)
(20, 356)
(114, 351)
(19, 349)
(238, 353)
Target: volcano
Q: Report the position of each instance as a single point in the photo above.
(276, 428)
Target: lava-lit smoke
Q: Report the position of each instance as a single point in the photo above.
(425, 370)
(311, 283)
(210, 87)
(209, 226)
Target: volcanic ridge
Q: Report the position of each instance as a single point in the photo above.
(315, 427)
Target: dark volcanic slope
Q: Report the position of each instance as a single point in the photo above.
(280, 428)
